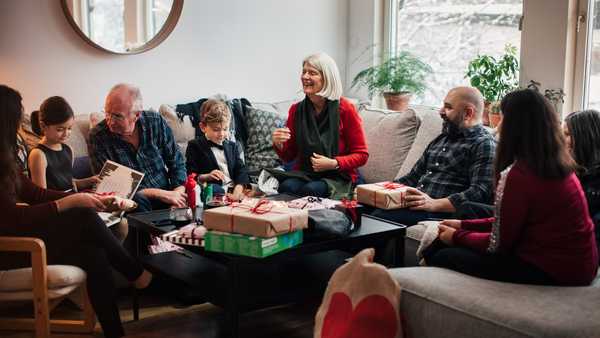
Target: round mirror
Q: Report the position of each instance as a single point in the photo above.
(123, 26)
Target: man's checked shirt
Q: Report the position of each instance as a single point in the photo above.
(157, 156)
(459, 168)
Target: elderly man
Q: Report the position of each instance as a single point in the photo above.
(455, 168)
(142, 141)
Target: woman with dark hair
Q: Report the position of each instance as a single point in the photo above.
(582, 132)
(541, 232)
(67, 223)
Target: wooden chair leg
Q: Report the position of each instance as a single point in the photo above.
(88, 312)
(40, 294)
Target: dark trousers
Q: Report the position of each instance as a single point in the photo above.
(498, 267)
(298, 187)
(79, 237)
(474, 210)
(409, 217)
(147, 204)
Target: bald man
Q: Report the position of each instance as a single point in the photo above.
(455, 168)
(142, 141)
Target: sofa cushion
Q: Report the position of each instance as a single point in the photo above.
(77, 140)
(443, 303)
(183, 129)
(430, 126)
(390, 136)
(58, 276)
(259, 147)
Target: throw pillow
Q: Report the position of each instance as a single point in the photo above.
(183, 130)
(430, 127)
(390, 136)
(259, 149)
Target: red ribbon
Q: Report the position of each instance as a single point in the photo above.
(390, 185)
(350, 205)
(263, 206)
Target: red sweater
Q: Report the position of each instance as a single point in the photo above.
(40, 209)
(353, 151)
(544, 222)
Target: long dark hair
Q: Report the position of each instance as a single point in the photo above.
(54, 110)
(531, 133)
(11, 112)
(584, 127)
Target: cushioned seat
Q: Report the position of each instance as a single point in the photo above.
(17, 284)
(443, 303)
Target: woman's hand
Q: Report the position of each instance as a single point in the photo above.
(89, 182)
(81, 200)
(453, 223)
(280, 136)
(446, 233)
(323, 163)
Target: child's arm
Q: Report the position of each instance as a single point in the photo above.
(37, 168)
(238, 193)
(86, 183)
(240, 172)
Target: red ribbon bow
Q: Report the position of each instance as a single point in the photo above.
(350, 206)
(391, 185)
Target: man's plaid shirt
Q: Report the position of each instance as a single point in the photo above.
(157, 156)
(458, 168)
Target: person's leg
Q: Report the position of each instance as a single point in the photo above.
(315, 188)
(83, 226)
(474, 210)
(291, 186)
(408, 217)
(143, 202)
(100, 285)
(489, 266)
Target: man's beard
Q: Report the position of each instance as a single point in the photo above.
(453, 128)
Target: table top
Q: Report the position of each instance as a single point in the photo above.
(373, 229)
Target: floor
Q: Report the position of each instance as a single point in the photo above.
(160, 318)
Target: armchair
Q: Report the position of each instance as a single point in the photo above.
(46, 286)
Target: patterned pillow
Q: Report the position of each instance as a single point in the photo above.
(259, 149)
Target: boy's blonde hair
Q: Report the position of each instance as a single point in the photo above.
(214, 111)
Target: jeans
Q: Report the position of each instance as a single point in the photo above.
(474, 210)
(298, 187)
(409, 217)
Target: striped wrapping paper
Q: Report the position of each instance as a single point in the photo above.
(175, 237)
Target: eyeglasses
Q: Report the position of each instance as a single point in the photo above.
(118, 117)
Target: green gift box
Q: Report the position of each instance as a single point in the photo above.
(251, 246)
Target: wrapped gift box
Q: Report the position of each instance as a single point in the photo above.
(261, 218)
(251, 246)
(353, 210)
(176, 237)
(383, 195)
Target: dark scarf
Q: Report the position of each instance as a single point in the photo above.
(316, 134)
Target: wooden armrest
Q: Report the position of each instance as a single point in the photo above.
(28, 244)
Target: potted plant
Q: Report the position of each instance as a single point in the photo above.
(397, 78)
(494, 78)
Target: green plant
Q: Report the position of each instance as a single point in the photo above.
(495, 77)
(401, 73)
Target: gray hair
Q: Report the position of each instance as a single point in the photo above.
(127, 91)
(332, 83)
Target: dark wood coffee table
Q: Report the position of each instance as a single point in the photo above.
(190, 266)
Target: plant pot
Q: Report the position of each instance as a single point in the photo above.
(397, 101)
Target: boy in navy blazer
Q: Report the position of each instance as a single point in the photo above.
(214, 158)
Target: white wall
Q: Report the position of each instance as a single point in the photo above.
(250, 48)
(548, 46)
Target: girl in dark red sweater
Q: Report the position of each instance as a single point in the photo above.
(67, 223)
(542, 232)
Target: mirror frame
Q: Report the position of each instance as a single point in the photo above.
(164, 32)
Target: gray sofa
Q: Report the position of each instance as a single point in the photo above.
(437, 302)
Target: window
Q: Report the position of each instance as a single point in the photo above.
(106, 23)
(447, 34)
(591, 88)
